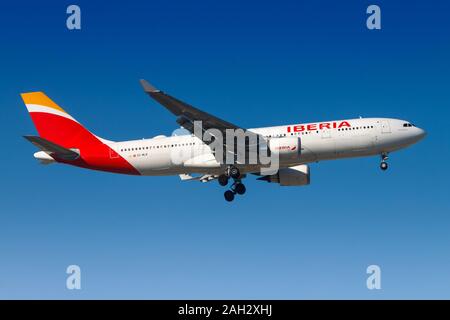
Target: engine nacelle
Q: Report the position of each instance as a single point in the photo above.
(286, 148)
(293, 176)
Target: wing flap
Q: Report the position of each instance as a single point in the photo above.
(202, 178)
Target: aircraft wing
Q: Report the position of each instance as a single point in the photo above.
(187, 115)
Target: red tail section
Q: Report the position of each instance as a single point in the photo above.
(56, 125)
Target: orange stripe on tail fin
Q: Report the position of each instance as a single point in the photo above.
(39, 98)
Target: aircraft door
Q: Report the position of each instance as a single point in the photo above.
(385, 126)
(326, 134)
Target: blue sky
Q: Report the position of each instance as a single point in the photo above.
(253, 63)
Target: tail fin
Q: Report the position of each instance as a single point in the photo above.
(52, 122)
(66, 140)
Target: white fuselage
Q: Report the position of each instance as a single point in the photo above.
(319, 141)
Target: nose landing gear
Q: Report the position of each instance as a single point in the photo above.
(384, 165)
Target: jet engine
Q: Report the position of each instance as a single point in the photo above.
(293, 176)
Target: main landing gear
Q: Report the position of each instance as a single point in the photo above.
(384, 165)
(237, 187)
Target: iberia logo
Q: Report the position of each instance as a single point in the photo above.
(318, 126)
(281, 148)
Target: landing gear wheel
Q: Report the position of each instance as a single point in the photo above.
(234, 172)
(384, 166)
(239, 188)
(229, 195)
(223, 180)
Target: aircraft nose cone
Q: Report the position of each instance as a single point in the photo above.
(421, 134)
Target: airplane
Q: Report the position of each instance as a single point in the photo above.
(62, 139)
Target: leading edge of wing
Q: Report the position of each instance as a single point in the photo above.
(185, 110)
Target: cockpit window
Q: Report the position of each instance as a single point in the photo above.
(406, 125)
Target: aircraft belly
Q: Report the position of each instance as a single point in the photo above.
(151, 162)
(321, 149)
(354, 145)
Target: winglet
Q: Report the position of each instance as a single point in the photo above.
(148, 87)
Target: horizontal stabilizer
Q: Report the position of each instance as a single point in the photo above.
(53, 149)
